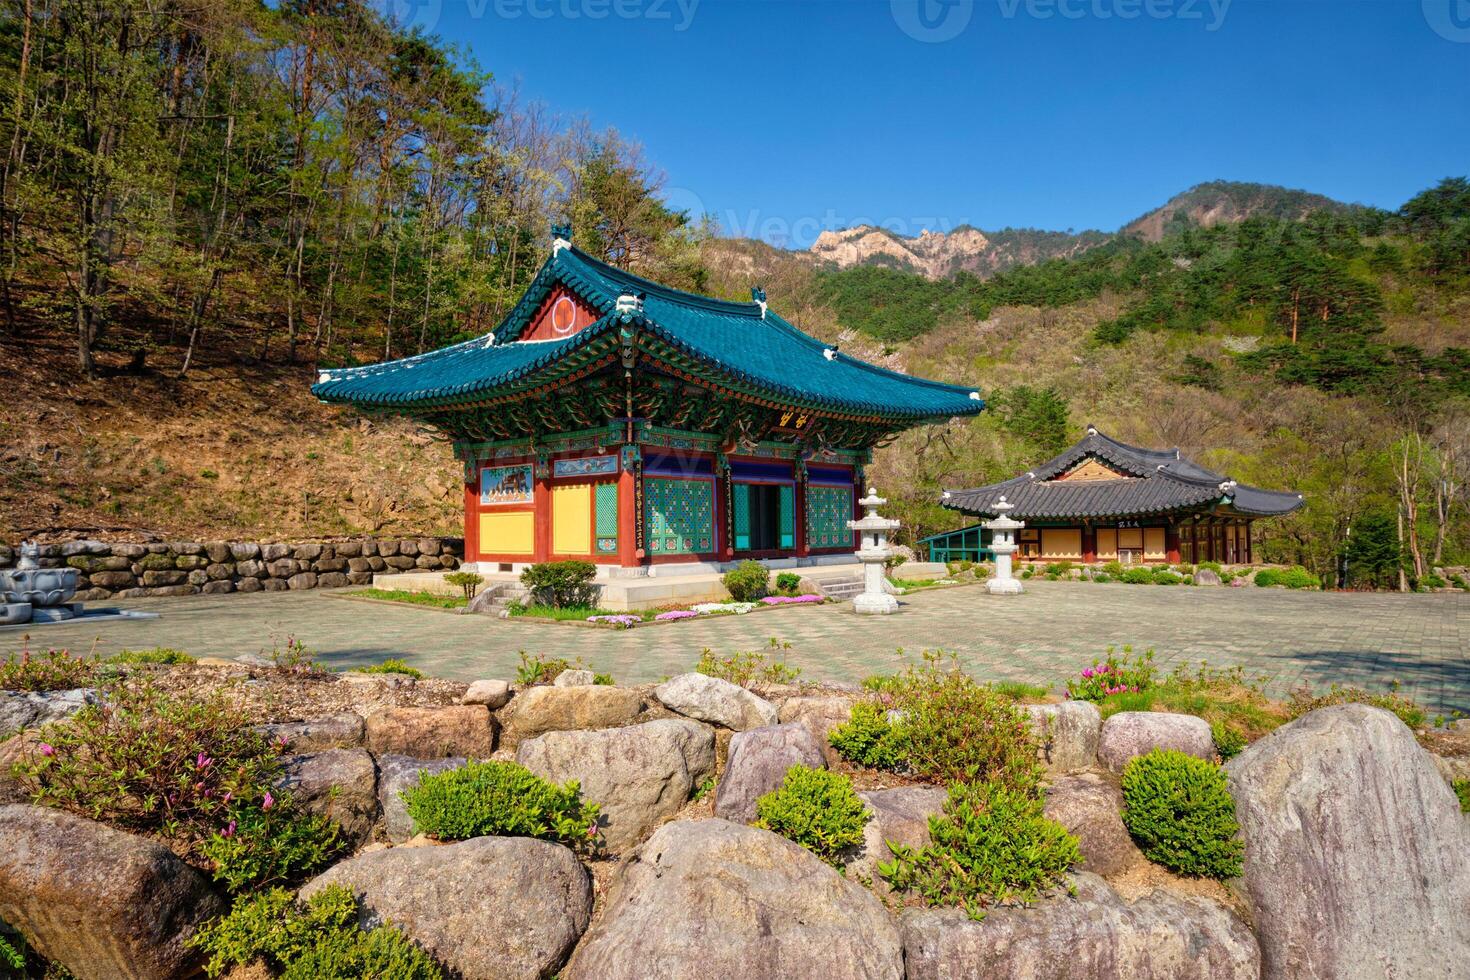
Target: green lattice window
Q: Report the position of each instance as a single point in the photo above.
(605, 522)
(828, 509)
(742, 517)
(679, 516)
(786, 520)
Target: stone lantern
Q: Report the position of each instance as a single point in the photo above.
(873, 553)
(1003, 543)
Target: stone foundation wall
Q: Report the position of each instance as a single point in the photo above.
(116, 570)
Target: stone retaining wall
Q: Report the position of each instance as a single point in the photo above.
(119, 570)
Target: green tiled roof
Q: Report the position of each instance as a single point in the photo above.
(735, 343)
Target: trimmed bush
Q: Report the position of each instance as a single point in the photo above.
(991, 844)
(1178, 810)
(748, 582)
(1295, 577)
(1136, 575)
(787, 583)
(816, 809)
(502, 799)
(156, 655)
(315, 940)
(867, 739)
(392, 667)
(54, 670)
(563, 584)
(1163, 576)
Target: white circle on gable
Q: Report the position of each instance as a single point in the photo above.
(563, 315)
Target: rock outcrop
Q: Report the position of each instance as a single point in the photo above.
(429, 733)
(32, 709)
(899, 815)
(344, 730)
(102, 903)
(564, 709)
(712, 900)
(492, 908)
(639, 775)
(339, 784)
(716, 701)
(757, 764)
(397, 773)
(1068, 733)
(1356, 856)
(1090, 806)
(1094, 935)
(1129, 734)
(821, 715)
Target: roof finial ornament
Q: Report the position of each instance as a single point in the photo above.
(758, 296)
(1092, 430)
(830, 353)
(630, 303)
(561, 237)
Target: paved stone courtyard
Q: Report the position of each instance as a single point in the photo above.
(1046, 635)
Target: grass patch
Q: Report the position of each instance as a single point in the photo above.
(156, 655)
(1303, 701)
(414, 598)
(1224, 698)
(391, 667)
(540, 610)
(1022, 691)
(912, 583)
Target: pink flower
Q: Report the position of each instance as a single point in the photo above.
(268, 802)
(203, 761)
(47, 749)
(227, 797)
(229, 830)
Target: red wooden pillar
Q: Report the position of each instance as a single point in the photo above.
(1171, 543)
(628, 556)
(1250, 556)
(1089, 544)
(798, 493)
(541, 518)
(724, 507)
(472, 520)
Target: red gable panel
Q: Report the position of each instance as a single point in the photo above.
(561, 315)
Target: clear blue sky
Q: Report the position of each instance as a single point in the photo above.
(782, 117)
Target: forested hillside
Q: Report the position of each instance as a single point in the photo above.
(202, 201)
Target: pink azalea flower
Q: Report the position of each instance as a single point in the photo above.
(229, 830)
(227, 797)
(47, 749)
(203, 761)
(268, 802)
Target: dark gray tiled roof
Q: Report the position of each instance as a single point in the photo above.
(1157, 482)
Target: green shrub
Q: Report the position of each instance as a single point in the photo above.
(11, 958)
(991, 844)
(1228, 742)
(1101, 577)
(392, 667)
(540, 669)
(54, 670)
(1163, 576)
(750, 667)
(787, 583)
(1462, 790)
(259, 847)
(816, 809)
(747, 582)
(562, 583)
(1295, 577)
(154, 655)
(296, 658)
(1137, 575)
(867, 739)
(503, 799)
(1213, 566)
(1113, 675)
(466, 582)
(1113, 569)
(1303, 701)
(955, 730)
(146, 760)
(1178, 810)
(315, 940)
(1432, 581)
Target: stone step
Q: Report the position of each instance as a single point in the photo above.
(842, 588)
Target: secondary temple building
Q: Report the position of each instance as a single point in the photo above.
(612, 419)
(1103, 500)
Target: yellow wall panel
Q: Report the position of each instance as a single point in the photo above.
(1153, 542)
(1107, 542)
(508, 533)
(571, 519)
(1061, 542)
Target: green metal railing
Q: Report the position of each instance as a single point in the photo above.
(965, 544)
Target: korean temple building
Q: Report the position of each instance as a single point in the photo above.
(612, 419)
(1103, 500)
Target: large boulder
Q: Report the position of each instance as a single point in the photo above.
(1090, 806)
(491, 693)
(492, 908)
(339, 784)
(562, 709)
(32, 709)
(710, 900)
(1356, 856)
(898, 815)
(1092, 934)
(428, 733)
(397, 773)
(340, 731)
(821, 714)
(757, 764)
(639, 775)
(1129, 734)
(1068, 734)
(716, 701)
(100, 902)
